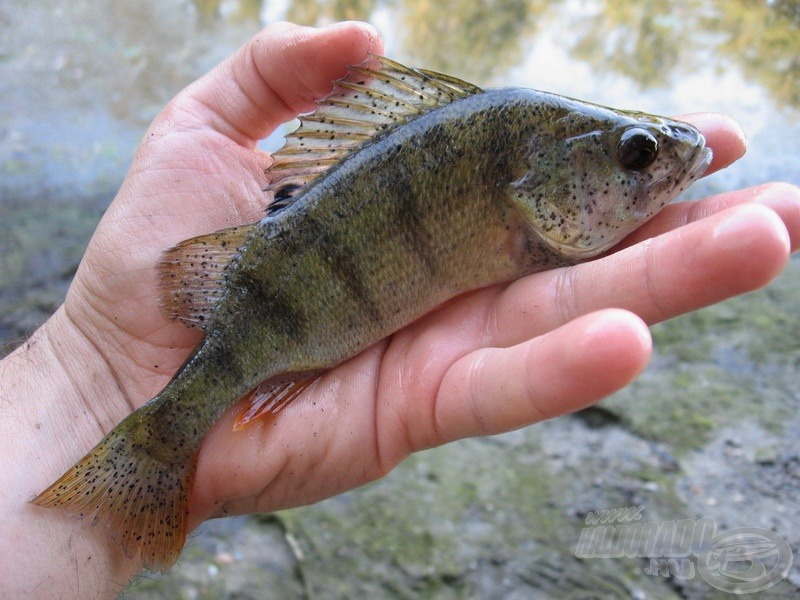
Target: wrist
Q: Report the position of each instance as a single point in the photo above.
(49, 420)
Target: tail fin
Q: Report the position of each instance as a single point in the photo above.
(142, 498)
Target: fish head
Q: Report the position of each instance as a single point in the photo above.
(598, 174)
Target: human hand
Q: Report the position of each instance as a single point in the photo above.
(503, 357)
(108, 349)
(494, 360)
(507, 356)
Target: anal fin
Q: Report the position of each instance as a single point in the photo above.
(271, 396)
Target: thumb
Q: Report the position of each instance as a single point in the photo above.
(278, 74)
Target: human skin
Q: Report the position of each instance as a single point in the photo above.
(494, 360)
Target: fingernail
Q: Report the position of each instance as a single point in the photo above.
(736, 224)
(784, 199)
(739, 225)
(777, 194)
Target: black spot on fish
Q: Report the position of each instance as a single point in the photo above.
(409, 207)
(284, 198)
(286, 317)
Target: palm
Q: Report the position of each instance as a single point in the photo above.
(466, 369)
(193, 184)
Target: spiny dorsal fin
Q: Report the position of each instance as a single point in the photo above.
(193, 274)
(374, 97)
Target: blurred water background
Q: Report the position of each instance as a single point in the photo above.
(710, 429)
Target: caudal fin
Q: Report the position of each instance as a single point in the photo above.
(141, 498)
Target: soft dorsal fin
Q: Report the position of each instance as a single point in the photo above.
(193, 274)
(374, 97)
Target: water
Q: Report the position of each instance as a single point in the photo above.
(79, 83)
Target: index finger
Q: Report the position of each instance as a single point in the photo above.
(732, 252)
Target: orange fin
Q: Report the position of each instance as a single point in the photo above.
(193, 274)
(141, 499)
(273, 395)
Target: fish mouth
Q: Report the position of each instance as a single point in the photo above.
(701, 157)
(702, 162)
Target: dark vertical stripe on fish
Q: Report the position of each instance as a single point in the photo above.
(409, 214)
(347, 269)
(286, 316)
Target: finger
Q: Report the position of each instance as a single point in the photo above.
(732, 252)
(278, 74)
(783, 198)
(723, 135)
(494, 390)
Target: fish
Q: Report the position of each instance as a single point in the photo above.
(404, 189)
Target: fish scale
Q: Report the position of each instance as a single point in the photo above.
(404, 189)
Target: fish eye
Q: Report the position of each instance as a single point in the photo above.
(637, 149)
